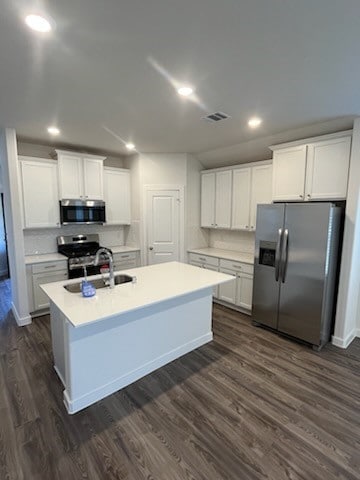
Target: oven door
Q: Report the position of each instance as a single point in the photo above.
(82, 212)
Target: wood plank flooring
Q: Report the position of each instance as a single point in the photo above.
(249, 405)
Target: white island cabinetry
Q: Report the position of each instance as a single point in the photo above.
(104, 343)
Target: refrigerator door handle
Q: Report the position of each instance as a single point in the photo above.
(284, 256)
(277, 255)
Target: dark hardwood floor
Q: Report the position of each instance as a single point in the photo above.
(249, 405)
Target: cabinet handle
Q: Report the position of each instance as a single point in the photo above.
(49, 266)
(237, 266)
(308, 195)
(124, 256)
(246, 226)
(301, 196)
(202, 259)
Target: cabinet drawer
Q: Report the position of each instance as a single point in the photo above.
(49, 267)
(119, 257)
(203, 259)
(237, 266)
(125, 265)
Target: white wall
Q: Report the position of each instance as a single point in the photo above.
(151, 169)
(231, 240)
(347, 313)
(47, 151)
(11, 185)
(42, 241)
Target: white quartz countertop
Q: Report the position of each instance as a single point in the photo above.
(46, 257)
(155, 284)
(57, 257)
(225, 254)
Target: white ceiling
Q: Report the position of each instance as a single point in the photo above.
(105, 73)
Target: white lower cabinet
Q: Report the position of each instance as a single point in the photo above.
(39, 274)
(227, 291)
(41, 301)
(207, 262)
(238, 291)
(125, 261)
(244, 290)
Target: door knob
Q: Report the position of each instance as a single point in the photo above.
(151, 248)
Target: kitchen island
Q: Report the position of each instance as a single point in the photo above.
(103, 343)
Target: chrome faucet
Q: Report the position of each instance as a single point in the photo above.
(106, 252)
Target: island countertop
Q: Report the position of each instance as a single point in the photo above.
(155, 284)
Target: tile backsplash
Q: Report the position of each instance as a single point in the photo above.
(44, 241)
(233, 240)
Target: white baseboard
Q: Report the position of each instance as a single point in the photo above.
(345, 342)
(77, 404)
(21, 321)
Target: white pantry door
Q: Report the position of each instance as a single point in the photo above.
(163, 226)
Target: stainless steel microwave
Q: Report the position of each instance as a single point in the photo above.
(82, 212)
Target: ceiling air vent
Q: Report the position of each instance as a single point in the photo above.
(216, 117)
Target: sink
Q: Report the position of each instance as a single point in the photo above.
(98, 283)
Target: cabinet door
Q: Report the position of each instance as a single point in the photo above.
(117, 196)
(241, 199)
(244, 291)
(93, 178)
(328, 169)
(227, 291)
(289, 165)
(216, 288)
(261, 190)
(223, 199)
(70, 176)
(40, 299)
(40, 194)
(208, 200)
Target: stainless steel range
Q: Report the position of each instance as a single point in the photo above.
(81, 251)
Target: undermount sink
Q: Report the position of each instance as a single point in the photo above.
(99, 283)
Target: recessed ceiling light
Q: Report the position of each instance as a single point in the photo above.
(254, 122)
(130, 146)
(53, 131)
(185, 91)
(38, 23)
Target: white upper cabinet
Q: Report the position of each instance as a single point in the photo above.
(93, 178)
(80, 176)
(289, 167)
(223, 199)
(241, 198)
(208, 200)
(327, 169)
(261, 189)
(216, 199)
(117, 196)
(315, 170)
(251, 186)
(39, 193)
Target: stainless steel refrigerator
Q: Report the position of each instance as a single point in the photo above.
(296, 264)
